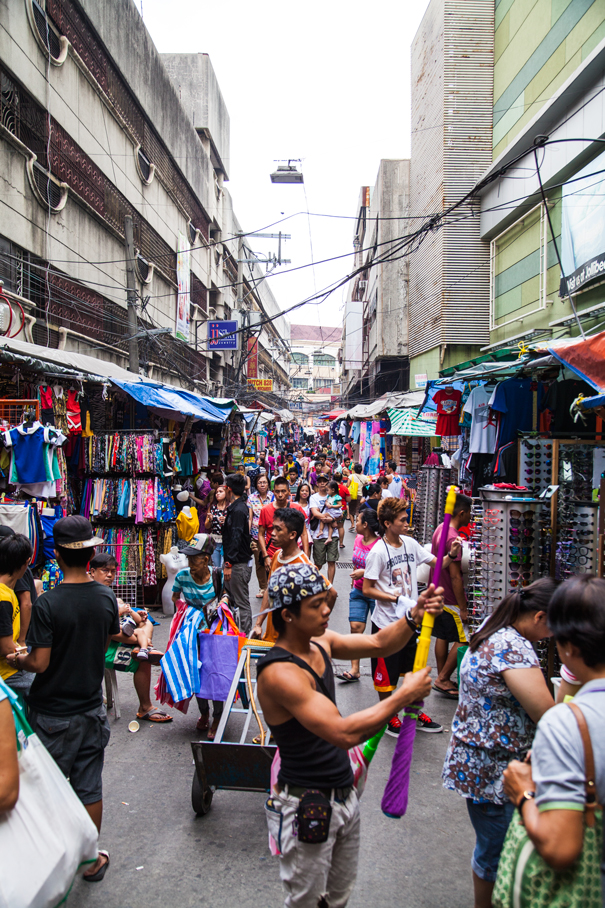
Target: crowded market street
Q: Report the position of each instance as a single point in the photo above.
(163, 855)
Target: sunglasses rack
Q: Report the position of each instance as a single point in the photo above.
(506, 550)
(535, 464)
(575, 513)
(429, 504)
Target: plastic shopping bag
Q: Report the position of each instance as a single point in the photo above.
(48, 835)
(219, 653)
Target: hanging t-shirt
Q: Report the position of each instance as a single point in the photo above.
(393, 570)
(484, 424)
(514, 400)
(559, 399)
(448, 411)
(32, 460)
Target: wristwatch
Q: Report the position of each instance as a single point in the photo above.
(410, 620)
(527, 796)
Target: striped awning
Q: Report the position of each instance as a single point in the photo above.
(405, 422)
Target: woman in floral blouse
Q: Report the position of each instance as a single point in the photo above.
(503, 694)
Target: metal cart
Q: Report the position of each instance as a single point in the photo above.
(234, 765)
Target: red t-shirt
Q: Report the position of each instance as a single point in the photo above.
(265, 522)
(448, 411)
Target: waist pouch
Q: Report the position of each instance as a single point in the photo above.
(313, 815)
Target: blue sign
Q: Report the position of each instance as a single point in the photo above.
(222, 336)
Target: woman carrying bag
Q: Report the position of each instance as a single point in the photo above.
(554, 845)
(215, 519)
(503, 694)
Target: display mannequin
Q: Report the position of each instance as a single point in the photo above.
(173, 562)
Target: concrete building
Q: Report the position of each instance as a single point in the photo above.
(314, 367)
(452, 107)
(375, 334)
(93, 129)
(548, 82)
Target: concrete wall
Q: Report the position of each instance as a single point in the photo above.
(538, 45)
(197, 86)
(452, 105)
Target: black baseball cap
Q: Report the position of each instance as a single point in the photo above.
(75, 532)
(6, 531)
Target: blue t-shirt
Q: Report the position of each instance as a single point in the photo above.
(197, 595)
(514, 400)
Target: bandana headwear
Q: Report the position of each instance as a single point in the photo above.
(288, 585)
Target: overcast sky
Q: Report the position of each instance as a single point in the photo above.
(326, 81)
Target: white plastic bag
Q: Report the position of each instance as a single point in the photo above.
(46, 836)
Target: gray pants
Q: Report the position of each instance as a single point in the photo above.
(316, 875)
(238, 589)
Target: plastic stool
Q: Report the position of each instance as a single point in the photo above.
(111, 691)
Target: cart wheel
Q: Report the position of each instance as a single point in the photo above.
(201, 799)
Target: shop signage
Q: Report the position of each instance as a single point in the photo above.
(261, 384)
(252, 357)
(583, 228)
(295, 405)
(221, 336)
(183, 297)
(421, 380)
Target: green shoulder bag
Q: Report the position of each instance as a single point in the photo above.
(525, 880)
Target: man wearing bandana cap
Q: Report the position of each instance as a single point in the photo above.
(297, 693)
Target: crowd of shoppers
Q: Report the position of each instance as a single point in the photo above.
(511, 748)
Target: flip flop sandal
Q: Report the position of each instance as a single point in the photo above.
(203, 723)
(98, 876)
(450, 694)
(155, 715)
(347, 677)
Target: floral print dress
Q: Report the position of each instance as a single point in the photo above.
(490, 727)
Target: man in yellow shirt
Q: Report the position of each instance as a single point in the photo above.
(15, 555)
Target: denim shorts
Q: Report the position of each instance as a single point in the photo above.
(360, 606)
(490, 822)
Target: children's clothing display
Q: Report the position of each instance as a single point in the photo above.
(34, 456)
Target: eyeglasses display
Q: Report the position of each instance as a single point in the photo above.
(433, 483)
(535, 464)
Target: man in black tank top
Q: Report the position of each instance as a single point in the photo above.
(296, 691)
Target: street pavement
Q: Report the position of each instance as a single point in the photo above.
(163, 855)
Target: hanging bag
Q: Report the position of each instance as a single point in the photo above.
(525, 880)
(47, 835)
(220, 647)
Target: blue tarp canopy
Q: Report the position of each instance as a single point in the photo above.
(160, 397)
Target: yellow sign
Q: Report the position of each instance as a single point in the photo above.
(261, 384)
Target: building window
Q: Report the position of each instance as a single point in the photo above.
(51, 42)
(300, 358)
(323, 359)
(301, 383)
(520, 258)
(51, 193)
(145, 168)
(319, 384)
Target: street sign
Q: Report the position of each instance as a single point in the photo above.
(295, 405)
(222, 336)
(261, 384)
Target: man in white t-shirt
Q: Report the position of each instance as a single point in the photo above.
(390, 578)
(324, 549)
(395, 481)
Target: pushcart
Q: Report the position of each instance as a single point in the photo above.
(241, 765)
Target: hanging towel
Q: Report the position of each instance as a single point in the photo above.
(181, 664)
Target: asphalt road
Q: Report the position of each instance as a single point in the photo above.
(163, 855)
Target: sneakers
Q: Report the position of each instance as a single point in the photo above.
(425, 723)
(394, 727)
